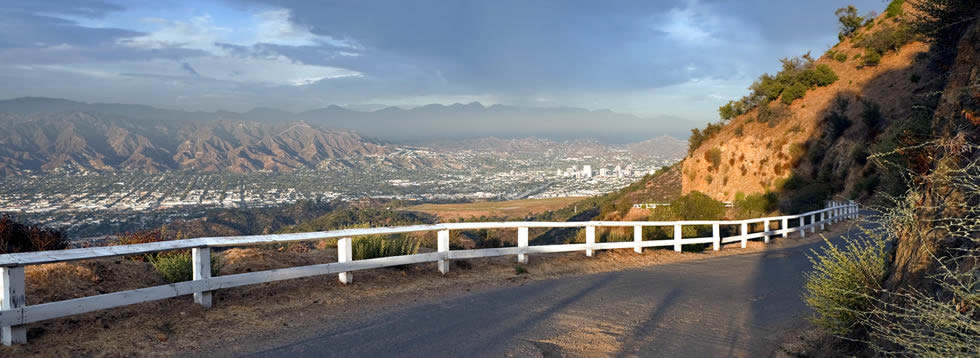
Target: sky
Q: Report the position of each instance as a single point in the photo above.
(669, 59)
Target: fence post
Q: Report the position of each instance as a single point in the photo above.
(745, 235)
(522, 244)
(677, 237)
(443, 247)
(201, 263)
(345, 253)
(823, 220)
(638, 238)
(802, 226)
(785, 227)
(765, 230)
(589, 239)
(11, 297)
(813, 222)
(716, 236)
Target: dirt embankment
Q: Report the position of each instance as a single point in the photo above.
(756, 157)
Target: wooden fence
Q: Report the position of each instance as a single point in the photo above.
(15, 313)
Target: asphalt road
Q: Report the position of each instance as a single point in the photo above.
(740, 305)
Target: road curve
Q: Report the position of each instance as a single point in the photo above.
(740, 305)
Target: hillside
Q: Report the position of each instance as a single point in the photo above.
(898, 130)
(44, 142)
(746, 157)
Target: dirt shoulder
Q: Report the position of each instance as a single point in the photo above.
(177, 326)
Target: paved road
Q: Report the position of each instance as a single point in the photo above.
(742, 305)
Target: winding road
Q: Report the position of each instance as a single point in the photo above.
(739, 305)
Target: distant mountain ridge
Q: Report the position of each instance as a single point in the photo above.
(84, 140)
(43, 134)
(471, 120)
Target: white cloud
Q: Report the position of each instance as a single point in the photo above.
(694, 24)
(276, 27)
(222, 64)
(199, 33)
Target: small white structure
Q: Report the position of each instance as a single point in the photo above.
(587, 171)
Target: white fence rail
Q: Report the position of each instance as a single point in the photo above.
(15, 313)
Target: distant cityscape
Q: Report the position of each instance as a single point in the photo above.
(86, 202)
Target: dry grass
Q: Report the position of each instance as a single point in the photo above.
(172, 326)
(507, 209)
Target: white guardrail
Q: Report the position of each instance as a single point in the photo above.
(15, 313)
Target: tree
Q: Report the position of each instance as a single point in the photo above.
(849, 20)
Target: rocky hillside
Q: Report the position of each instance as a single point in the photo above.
(44, 142)
(818, 142)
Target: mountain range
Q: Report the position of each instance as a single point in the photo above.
(42, 134)
(417, 125)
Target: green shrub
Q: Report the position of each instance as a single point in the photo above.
(843, 279)
(890, 38)
(177, 266)
(699, 136)
(793, 92)
(375, 246)
(872, 118)
(841, 57)
(871, 57)
(520, 270)
(755, 205)
(714, 156)
(698, 206)
(731, 110)
(739, 131)
(824, 75)
(894, 8)
(849, 20)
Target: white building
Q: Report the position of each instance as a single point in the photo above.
(587, 171)
(603, 172)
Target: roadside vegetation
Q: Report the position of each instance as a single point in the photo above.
(19, 237)
(174, 265)
(935, 313)
(910, 285)
(374, 246)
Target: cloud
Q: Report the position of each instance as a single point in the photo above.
(187, 67)
(682, 57)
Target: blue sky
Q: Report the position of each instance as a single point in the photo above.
(680, 58)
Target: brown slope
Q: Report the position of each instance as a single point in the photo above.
(763, 157)
(49, 141)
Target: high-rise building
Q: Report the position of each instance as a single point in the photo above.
(603, 172)
(587, 171)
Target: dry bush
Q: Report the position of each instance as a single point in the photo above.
(843, 279)
(937, 315)
(17, 237)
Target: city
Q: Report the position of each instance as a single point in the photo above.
(92, 203)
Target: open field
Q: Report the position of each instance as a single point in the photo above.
(507, 209)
